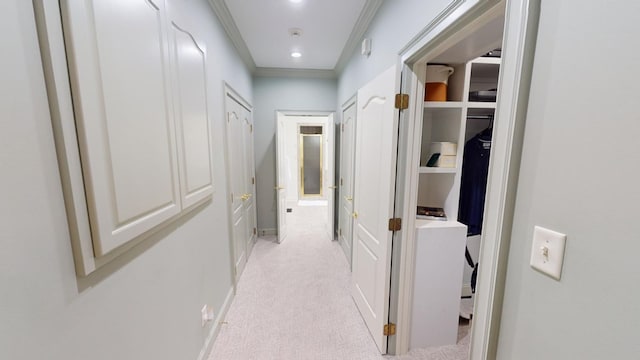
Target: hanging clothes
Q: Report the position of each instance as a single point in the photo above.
(475, 168)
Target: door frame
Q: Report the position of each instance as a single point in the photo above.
(230, 92)
(330, 122)
(521, 18)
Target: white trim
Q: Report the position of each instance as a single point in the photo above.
(450, 14)
(521, 23)
(215, 329)
(54, 61)
(369, 11)
(367, 14)
(513, 85)
(459, 12)
(349, 102)
(295, 73)
(230, 91)
(226, 20)
(410, 185)
(303, 113)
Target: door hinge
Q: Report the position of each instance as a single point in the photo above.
(250, 128)
(253, 181)
(342, 127)
(395, 224)
(255, 231)
(340, 232)
(402, 101)
(389, 329)
(341, 181)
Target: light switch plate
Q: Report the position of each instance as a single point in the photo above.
(547, 251)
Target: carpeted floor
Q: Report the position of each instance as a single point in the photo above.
(293, 302)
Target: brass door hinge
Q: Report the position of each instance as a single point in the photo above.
(395, 224)
(340, 232)
(253, 181)
(389, 329)
(402, 101)
(255, 231)
(341, 181)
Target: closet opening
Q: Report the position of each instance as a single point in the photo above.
(455, 79)
(304, 169)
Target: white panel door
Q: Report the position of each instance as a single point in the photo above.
(237, 184)
(374, 188)
(329, 175)
(192, 119)
(118, 63)
(345, 203)
(281, 178)
(250, 198)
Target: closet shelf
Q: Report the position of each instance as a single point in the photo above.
(443, 104)
(481, 105)
(436, 170)
(487, 60)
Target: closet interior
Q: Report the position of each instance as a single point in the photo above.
(457, 122)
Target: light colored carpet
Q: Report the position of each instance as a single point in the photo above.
(293, 302)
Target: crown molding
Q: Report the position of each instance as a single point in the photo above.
(359, 29)
(226, 20)
(362, 24)
(295, 73)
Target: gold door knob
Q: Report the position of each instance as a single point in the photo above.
(355, 215)
(245, 197)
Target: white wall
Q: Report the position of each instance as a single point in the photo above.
(273, 94)
(395, 24)
(147, 305)
(292, 155)
(579, 176)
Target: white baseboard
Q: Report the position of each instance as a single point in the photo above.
(466, 290)
(268, 232)
(215, 329)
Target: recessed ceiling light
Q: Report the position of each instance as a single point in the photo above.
(296, 54)
(295, 1)
(295, 32)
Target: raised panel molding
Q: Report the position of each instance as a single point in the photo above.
(120, 85)
(120, 124)
(192, 118)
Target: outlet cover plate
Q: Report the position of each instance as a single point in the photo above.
(547, 251)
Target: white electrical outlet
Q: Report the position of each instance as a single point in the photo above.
(206, 315)
(547, 251)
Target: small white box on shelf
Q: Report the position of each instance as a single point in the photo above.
(443, 148)
(446, 161)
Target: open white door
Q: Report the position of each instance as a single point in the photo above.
(236, 170)
(374, 193)
(329, 175)
(347, 147)
(281, 178)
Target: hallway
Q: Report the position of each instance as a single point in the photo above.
(293, 302)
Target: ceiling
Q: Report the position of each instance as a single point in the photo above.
(261, 32)
(477, 43)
